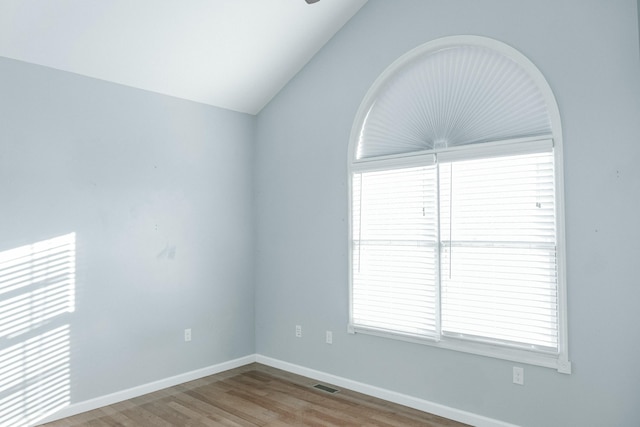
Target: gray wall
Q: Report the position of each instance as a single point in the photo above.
(169, 214)
(159, 193)
(588, 51)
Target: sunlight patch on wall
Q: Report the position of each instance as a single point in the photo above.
(37, 294)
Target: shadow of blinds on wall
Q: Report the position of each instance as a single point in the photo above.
(37, 298)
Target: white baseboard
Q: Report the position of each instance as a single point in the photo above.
(110, 399)
(391, 396)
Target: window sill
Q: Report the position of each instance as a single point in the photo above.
(554, 361)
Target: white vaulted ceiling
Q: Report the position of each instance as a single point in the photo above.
(234, 54)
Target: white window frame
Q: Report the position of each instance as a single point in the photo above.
(559, 361)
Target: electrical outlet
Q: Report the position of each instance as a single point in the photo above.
(518, 375)
(187, 334)
(329, 337)
(298, 331)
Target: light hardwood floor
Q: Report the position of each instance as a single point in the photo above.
(254, 395)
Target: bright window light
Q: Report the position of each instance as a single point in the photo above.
(37, 294)
(456, 213)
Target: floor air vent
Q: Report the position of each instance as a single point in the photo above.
(325, 388)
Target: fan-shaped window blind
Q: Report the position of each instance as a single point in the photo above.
(452, 94)
(456, 204)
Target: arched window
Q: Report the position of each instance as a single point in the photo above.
(456, 207)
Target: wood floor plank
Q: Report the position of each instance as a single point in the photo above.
(213, 412)
(196, 419)
(251, 396)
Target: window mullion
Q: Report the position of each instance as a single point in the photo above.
(438, 272)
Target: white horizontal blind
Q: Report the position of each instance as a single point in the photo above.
(394, 259)
(498, 260)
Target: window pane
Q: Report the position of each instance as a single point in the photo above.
(394, 258)
(393, 288)
(498, 255)
(504, 199)
(500, 294)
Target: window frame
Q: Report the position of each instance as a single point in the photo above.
(559, 361)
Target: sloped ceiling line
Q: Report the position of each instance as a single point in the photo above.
(227, 53)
